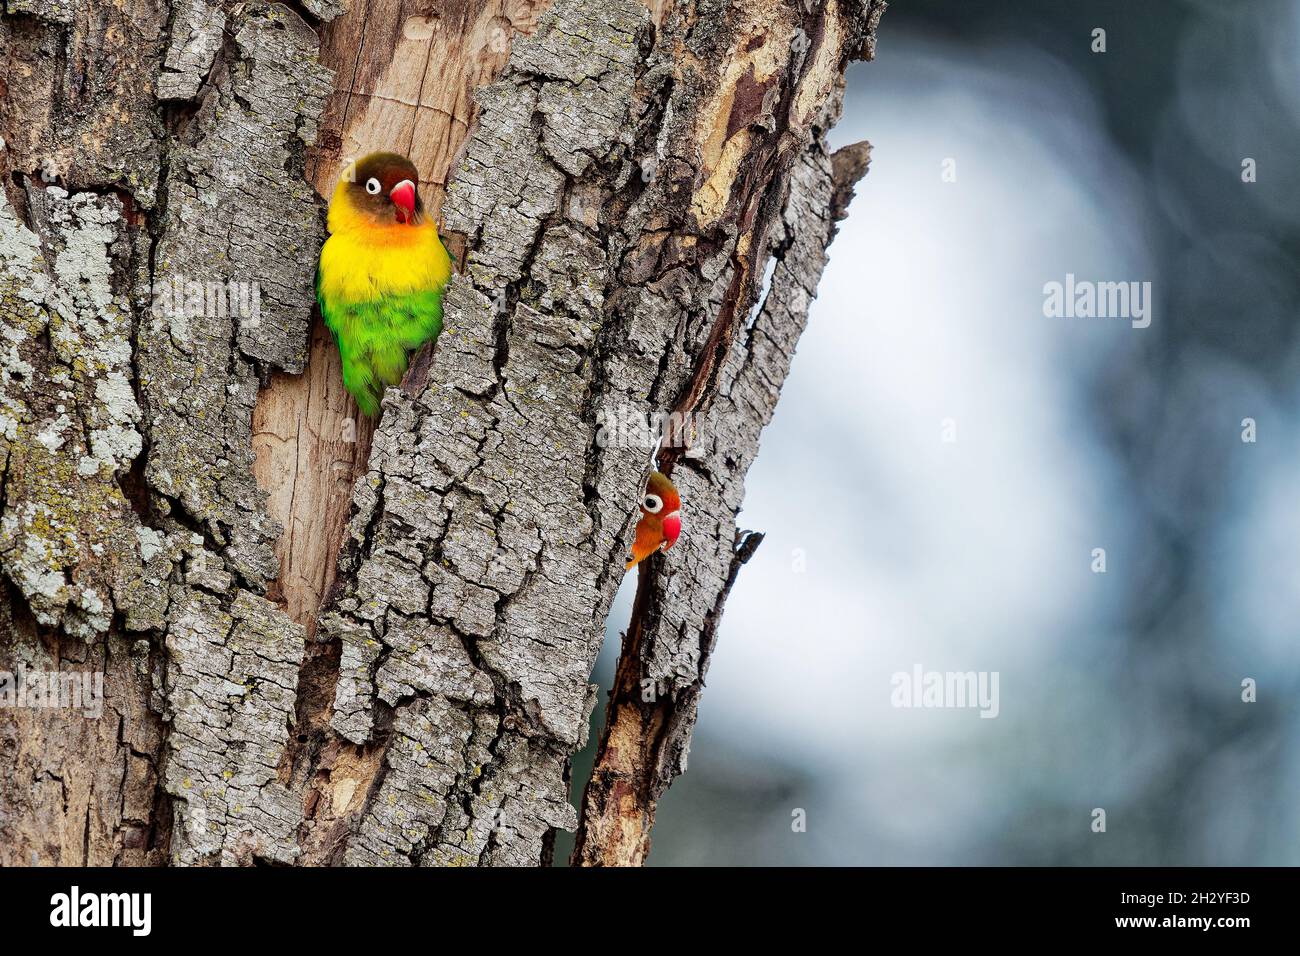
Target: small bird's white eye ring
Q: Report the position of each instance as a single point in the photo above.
(373, 186)
(653, 504)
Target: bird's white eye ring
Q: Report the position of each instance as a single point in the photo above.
(653, 504)
(372, 186)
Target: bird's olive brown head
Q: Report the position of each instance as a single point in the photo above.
(384, 188)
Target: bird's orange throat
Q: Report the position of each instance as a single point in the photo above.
(345, 219)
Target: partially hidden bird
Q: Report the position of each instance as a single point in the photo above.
(661, 519)
(381, 275)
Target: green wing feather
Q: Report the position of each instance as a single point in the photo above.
(376, 339)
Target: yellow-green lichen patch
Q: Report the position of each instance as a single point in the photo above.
(67, 540)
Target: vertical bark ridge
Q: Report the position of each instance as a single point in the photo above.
(732, 395)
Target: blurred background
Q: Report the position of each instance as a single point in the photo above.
(1120, 690)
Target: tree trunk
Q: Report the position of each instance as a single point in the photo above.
(321, 644)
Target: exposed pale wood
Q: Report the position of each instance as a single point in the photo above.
(407, 71)
(310, 442)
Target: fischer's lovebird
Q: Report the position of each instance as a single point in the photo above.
(381, 275)
(661, 519)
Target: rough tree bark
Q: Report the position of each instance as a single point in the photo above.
(323, 646)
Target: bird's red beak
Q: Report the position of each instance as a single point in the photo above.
(672, 528)
(403, 197)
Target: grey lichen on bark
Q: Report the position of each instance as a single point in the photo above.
(67, 414)
(108, 364)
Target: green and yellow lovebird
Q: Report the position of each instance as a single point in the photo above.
(381, 276)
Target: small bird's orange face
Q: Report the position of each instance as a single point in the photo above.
(383, 187)
(661, 519)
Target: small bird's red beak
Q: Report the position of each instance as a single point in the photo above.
(672, 528)
(403, 197)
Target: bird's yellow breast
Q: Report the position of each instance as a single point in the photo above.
(362, 261)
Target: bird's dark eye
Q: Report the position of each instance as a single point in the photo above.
(372, 186)
(653, 504)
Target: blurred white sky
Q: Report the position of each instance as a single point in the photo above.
(965, 556)
(976, 555)
(969, 555)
